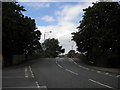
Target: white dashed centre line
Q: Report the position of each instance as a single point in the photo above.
(98, 71)
(71, 71)
(66, 69)
(60, 66)
(106, 73)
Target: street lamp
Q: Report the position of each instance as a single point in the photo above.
(45, 33)
(44, 39)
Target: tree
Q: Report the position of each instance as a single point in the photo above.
(71, 53)
(52, 48)
(19, 34)
(98, 36)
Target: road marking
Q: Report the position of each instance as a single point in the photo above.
(31, 72)
(111, 75)
(75, 63)
(98, 71)
(102, 84)
(67, 69)
(93, 69)
(38, 86)
(26, 72)
(59, 65)
(118, 76)
(27, 87)
(85, 68)
(12, 77)
(91, 62)
(106, 73)
(79, 65)
(56, 62)
(20, 87)
(71, 71)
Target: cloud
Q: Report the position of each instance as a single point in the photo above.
(69, 12)
(48, 18)
(61, 0)
(58, 0)
(68, 17)
(37, 4)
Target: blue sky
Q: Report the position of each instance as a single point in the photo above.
(37, 10)
(61, 18)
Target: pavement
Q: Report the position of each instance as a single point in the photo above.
(56, 73)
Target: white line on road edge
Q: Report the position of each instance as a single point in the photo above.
(98, 71)
(71, 71)
(94, 70)
(26, 73)
(31, 72)
(118, 76)
(59, 65)
(75, 63)
(106, 73)
(102, 84)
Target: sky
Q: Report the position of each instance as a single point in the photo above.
(61, 18)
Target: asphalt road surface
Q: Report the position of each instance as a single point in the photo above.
(51, 73)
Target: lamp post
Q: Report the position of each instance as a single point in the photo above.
(44, 39)
(45, 33)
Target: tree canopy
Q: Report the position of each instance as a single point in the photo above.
(52, 48)
(98, 35)
(71, 53)
(19, 34)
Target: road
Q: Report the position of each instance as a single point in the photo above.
(44, 74)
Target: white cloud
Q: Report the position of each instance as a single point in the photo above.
(37, 4)
(48, 18)
(66, 17)
(69, 12)
(59, 0)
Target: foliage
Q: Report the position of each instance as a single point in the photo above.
(52, 48)
(71, 53)
(19, 34)
(98, 36)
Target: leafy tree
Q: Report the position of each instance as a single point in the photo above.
(52, 48)
(19, 34)
(71, 53)
(98, 36)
